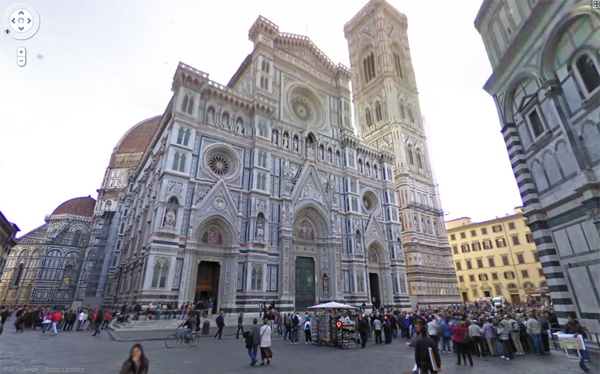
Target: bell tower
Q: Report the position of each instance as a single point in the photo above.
(388, 116)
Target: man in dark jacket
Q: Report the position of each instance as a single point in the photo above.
(422, 346)
(363, 327)
(137, 309)
(252, 340)
(240, 325)
(220, 324)
(573, 327)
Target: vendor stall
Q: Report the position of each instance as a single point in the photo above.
(334, 324)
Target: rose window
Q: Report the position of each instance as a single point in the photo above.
(302, 109)
(219, 165)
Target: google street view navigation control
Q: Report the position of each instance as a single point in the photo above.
(21, 22)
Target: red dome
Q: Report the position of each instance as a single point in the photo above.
(138, 137)
(79, 206)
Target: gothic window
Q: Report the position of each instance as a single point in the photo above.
(190, 107)
(179, 161)
(375, 171)
(256, 280)
(51, 265)
(360, 166)
(410, 115)
(262, 159)
(398, 65)
(183, 137)
(402, 114)
(261, 181)
(588, 71)
(419, 162)
(378, 113)
(17, 275)
(271, 278)
(410, 155)
(264, 83)
(535, 122)
(369, 67)
(368, 117)
(368, 169)
(225, 119)
(160, 274)
(210, 115)
(67, 275)
(184, 105)
(163, 276)
(322, 153)
(77, 238)
(186, 137)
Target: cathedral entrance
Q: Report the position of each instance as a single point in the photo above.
(207, 283)
(305, 283)
(375, 295)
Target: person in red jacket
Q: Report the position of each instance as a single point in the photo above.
(462, 338)
(56, 317)
(106, 320)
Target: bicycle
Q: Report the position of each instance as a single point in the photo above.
(179, 337)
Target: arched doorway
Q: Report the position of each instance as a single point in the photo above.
(376, 268)
(304, 245)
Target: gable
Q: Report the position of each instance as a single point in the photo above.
(309, 187)
(218, 200)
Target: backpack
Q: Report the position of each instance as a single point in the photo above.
(306, 327)
(466, 337)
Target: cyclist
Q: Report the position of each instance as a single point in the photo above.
(190, 325)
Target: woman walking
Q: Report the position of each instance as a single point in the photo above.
(462, 338)
(137, 363)
(265, 343)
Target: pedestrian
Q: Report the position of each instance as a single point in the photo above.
(46, 321)
(105, 321)
(252, 341)
(137, 309)
(296, 321)
(287, 326)
(98, 322)
(377, 330)
(265, 343)
(534, 330)
(475, 332)
(422, 356)
(5, 314)
(363, 327)
(515, 334)
(240, 325)
(573, 327)
(220, 324)
(446, 336)
(462, 339)
(307, 331)
(137, 363)
(504, 338)
(56, 317)
(488, 332)
(80, 320)
(433, 329)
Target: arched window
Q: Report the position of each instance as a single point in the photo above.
(182, 162)
(375, 171)
(190, 108)
(369, 67)
(17, 275)
(210, 115)
(257, 275)
(410, 155)
(322, 152)
(184, 105)
(368, 117)
(368, 169)
(588, 71)
(180, 135)
(402, 114)
(225, 119)
(378, 113)
(329, 156)
(156, 274)
(419, 162)
(410, 115)
(186, 137)
(398, 65)
(163, 276)
(77, 238)
(176, 161)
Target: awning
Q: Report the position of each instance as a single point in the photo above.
(331, 305)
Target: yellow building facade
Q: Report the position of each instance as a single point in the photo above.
(497, 258)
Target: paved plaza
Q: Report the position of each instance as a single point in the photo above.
(80, 352)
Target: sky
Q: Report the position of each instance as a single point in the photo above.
(96, 68)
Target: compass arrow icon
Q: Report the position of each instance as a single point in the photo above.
(28, 20)
(12, 20)
(21, 28)
(21, 12)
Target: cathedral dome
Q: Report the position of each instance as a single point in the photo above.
(79, 206)
(137, 138)
(131, 146)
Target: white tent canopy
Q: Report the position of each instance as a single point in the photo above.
(331, 305)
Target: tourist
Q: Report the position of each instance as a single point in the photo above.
(515, 334)
(265, 343)
(240, 325)
(363, 327)
(387, 329)
(307, 331)
(80, 320)
(137, 363)
(169, 310)
(488, 331)
(377, 329)
(446, 336)
(287, 326)
(433, 329)
(137, 310)
(462, 339)
(534, 330)
(475, 332)
(105, 321)
(220, 324)
(98, 322)
(296, 322)
(504, 339)
(46, 321)
(56, 317)
(573, 327)
(253, 341)
(422, 357)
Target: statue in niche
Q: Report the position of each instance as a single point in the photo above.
(358, 243)
(309, 150)
(325, 284)
(286, 141)
(284, 216)
(296, 144)
(170, 217)
(259, 231)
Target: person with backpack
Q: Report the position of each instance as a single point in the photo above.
(220, 324)
(296, 322)
(422, 346)
(307, 331)
(515, 335)
(462, 339)
(252, 340)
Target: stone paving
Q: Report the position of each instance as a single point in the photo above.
(80, 352)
